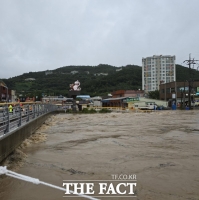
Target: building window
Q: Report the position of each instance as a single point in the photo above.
(168, 90)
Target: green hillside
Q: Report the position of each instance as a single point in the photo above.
(57, 83)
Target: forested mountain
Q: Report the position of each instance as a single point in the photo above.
(183, 74)
(94, 80)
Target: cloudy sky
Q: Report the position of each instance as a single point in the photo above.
(39, 35)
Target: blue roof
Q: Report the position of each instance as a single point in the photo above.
(83, 96)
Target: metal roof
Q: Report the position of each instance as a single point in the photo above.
(118, 98)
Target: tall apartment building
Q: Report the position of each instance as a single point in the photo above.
(157, 69)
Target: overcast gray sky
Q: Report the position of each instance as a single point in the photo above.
(39, 35)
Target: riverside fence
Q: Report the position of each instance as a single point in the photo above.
(14, 117)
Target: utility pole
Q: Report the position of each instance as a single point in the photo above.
(189, 62)
(184, 96)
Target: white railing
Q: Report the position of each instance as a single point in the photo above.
(13, 117)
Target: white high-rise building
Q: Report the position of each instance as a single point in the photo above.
(156, 70)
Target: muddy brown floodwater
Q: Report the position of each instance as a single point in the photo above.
(160, 148)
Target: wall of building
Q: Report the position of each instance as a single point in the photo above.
(158, 102)
(5, 94)
(127, 93)
(13, 96)
(177, 88)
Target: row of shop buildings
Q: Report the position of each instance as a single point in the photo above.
(127, 99)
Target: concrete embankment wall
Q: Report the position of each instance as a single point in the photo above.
(10, 141)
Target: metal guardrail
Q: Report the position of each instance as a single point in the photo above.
(109, 108)
(13, 118)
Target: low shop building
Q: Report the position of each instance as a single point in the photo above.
(123, 98)
(5, 92)
(178, 91)
(127, 93)
(124, 102)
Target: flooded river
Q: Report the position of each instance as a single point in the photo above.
(160, 148)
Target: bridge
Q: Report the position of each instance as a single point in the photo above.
(19, 122)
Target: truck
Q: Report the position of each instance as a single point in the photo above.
(145, 105)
